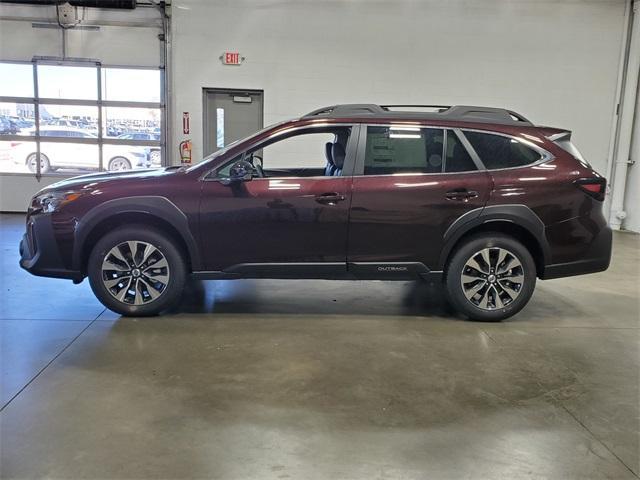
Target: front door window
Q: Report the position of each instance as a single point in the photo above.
(306, 153)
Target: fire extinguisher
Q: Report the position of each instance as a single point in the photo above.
(185, 152)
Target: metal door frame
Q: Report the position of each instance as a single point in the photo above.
(205, 110)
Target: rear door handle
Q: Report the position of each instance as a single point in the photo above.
(461, 194)
(330, 198)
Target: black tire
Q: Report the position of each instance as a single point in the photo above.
(119, 161)
(495, 309)
(171, 291)
(32, 165)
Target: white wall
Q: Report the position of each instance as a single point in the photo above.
(632, 194)
(555, 62)
(124, 38)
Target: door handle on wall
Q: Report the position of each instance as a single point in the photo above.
(330, 198)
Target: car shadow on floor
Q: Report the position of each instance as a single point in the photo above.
(314, 297)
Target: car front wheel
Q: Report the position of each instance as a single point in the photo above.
(137, 271)
(490, 277)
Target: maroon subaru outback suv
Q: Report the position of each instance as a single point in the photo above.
(478, 198)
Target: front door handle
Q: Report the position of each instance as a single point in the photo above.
(330, 198)
(461, 194)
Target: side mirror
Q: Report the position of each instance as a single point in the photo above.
(241, 171)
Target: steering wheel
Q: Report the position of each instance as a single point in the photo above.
(257, 166)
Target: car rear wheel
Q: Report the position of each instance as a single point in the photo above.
(119, 164)
(490, 277)
(137, 271)
(32, 163)
(155, 158)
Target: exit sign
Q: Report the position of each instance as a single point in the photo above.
(231, 58)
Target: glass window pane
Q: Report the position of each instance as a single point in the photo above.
(400, 149)
(121, 84)
(79, 83)
(16, 80)
(130, 157)
(131, 123)
(68, 158)
(497, 151)
(17, 119)
(305, 151)
(458, 159)
(220, 127)
(69, 121)
(14, 155)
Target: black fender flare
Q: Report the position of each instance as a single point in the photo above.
(155, 206)
(517, 214)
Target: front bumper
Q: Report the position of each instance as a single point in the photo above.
(39, 254)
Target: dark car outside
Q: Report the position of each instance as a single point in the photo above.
(477, 198)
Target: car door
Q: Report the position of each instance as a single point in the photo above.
(290, 221)
(411, 183)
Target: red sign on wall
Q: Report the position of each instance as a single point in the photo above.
(185, 123)
(231, 58)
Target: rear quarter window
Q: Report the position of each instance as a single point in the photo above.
(497, 151)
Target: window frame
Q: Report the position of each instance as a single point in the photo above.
(349, 162)
(362, 145)
(36, 100)
(545, 155)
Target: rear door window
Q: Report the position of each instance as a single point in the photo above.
(498, 151)
(457, 159)
(392, 150)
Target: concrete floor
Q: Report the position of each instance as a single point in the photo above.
(284, 379)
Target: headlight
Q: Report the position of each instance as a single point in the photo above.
(51, 201)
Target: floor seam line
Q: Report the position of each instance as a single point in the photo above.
(491, 339)
(50, 362)
(598, 440)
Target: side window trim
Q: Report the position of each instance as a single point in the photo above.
(545, 155)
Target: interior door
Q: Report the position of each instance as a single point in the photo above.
(230, 115)
(412, 184)
(291, 222)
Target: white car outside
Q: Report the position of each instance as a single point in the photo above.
(55, 155)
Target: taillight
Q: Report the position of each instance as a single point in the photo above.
(594, 187)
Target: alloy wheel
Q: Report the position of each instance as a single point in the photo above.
(119, 165)
(135, 272)
(492, 278)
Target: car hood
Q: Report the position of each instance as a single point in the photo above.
(95, 179)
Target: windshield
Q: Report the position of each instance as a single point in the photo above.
(217, 153)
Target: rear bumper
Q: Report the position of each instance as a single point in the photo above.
(597, 259)
(39, 253)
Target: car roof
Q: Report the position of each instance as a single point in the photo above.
(460, 113)
(61, 127)
(64, 128)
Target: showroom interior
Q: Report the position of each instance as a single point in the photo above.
(313, 379)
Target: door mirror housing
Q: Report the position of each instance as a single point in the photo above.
(241, 171)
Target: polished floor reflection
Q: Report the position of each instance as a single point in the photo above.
(318, 379)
